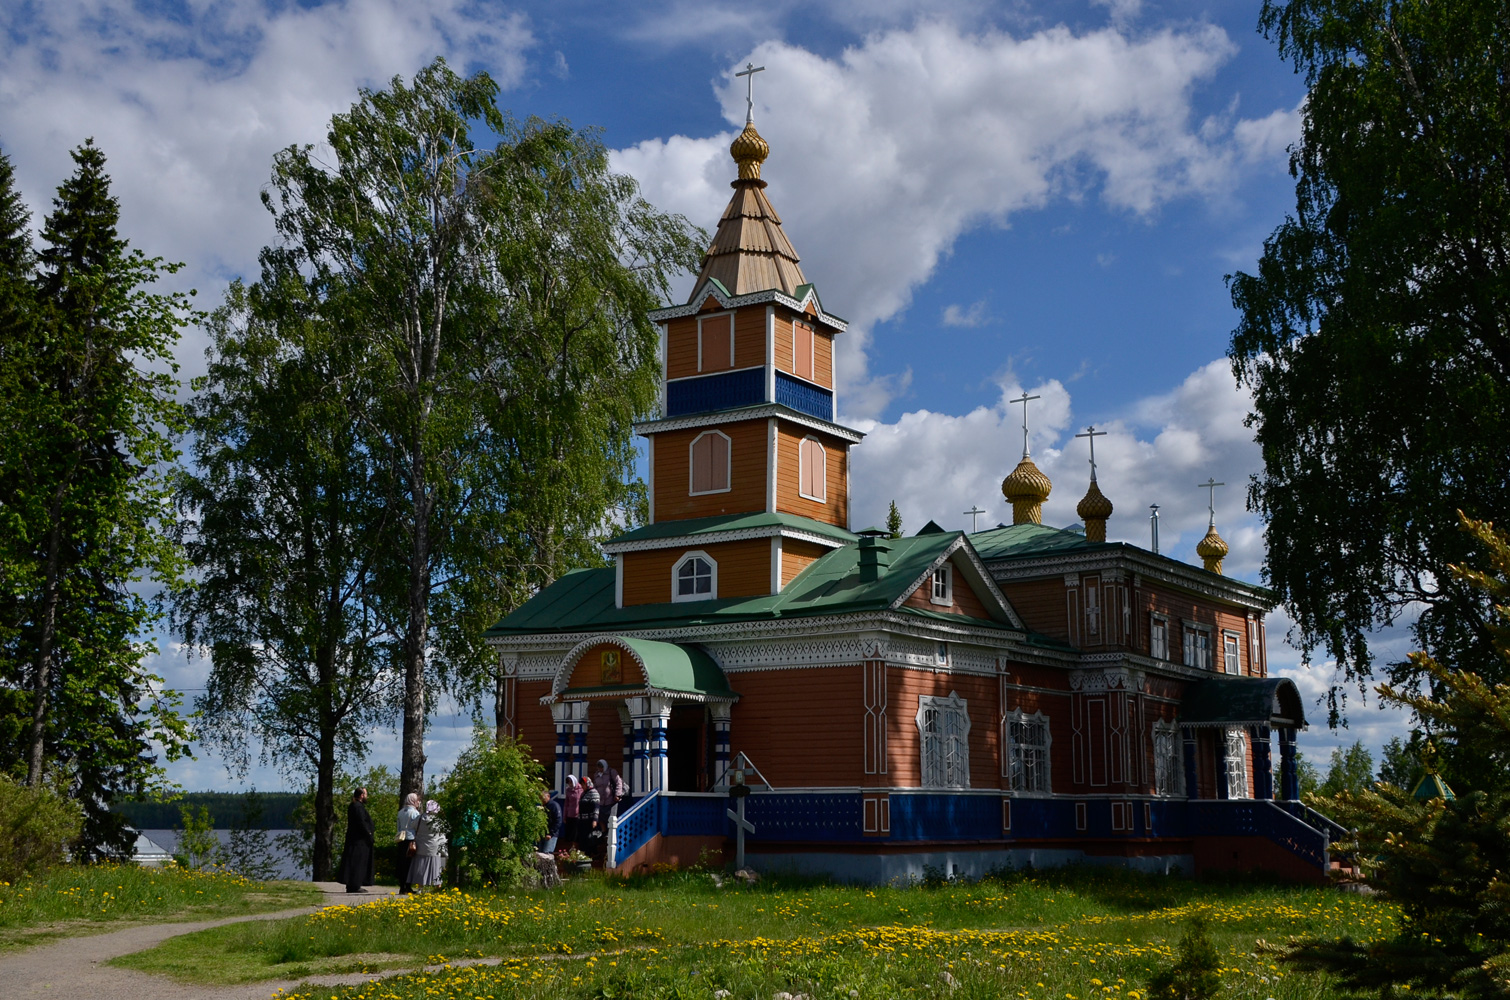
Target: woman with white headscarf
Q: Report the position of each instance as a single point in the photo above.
(408, 820)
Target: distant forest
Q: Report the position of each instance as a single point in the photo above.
(227, 810)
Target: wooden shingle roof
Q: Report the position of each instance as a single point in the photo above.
(750, 252)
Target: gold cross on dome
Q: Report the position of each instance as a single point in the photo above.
(1093, 434)
(749, 74)
(1024, 399)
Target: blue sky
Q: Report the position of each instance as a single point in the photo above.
(999, 196)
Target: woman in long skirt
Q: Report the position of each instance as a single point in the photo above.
(429, 860)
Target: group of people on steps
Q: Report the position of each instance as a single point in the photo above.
(579, 818)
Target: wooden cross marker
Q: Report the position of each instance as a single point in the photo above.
(749, 74)
(1210, 486)
(1024, 399)
(1093, 434)
(975, 512)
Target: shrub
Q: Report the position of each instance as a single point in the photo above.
(491, 805)
(1193, 976)
(36, 827)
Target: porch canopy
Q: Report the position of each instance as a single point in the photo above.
(617, 666)
(1243, 701)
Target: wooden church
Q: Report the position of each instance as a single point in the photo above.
(1021, 696)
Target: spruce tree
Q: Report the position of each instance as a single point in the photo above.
(89, 386)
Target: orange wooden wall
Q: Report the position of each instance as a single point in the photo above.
(747, 462)
(744, 570)
(788, 500)
(801, 727)
(797, 556)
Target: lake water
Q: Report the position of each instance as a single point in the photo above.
(287, 867)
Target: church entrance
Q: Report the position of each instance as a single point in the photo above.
(684, 748)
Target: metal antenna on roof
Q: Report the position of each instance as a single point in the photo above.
(1153, 525)
(1024, 399)
(749, 74)
(975, 512)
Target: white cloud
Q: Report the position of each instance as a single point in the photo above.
(973, 316)
(1268, 139)
(189, 112)
(883, 156)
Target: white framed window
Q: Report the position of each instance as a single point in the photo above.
(709, 463)
(1027, 738)
(1168, 769)
(1197, 646)
(804, 361)
(1092, 608)
(944, 731)
(1237, 763)
(1254, 624)
(715, 342)
(941, 654)
(1230, 646)
(694, 578)
(1158, 637)
(941, 590)
(812, 470)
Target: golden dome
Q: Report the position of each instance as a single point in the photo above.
(1026, 489)
(749, 151)
(1212, 549)
(1094, 509)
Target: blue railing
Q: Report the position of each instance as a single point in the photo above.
(804, 397)
(715, 392)
(634, 828)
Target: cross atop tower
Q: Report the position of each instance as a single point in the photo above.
(1093, 434)
(749, 74)
(1024, 399)
(1210, 486)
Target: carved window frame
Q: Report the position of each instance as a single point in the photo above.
(677, 597)
(944, 741)
(1029, 763)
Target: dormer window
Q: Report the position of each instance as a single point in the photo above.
(943, 586)
(812, 470)
(709, 462)
(695, 578)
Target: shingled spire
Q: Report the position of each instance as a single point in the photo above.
(750, 253)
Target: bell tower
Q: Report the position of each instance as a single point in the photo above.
(749, 472)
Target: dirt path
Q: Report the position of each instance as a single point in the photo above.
(75, 967)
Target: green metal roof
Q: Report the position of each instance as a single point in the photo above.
(669, 667)
(1243, 701)
(732, 522)
(584, 600)
(1026, 540)
(1430, 787)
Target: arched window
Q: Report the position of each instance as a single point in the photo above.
(710, 463)
(812, 470)
(695, 578)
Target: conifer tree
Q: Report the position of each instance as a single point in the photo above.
(89, 392)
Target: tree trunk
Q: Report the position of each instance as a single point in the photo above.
(500, 704)
(42, 679)
(412, 768)
(325, 808)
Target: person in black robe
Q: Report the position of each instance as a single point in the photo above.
(357, 863)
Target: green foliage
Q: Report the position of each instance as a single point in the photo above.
(520, 278)
(281, 517)
(1444, 862)
(87, 386)
(1400, 763)
(894, 520)
(37, 826)
(198, 847)
(1195, 972)
(490, 804)
(381, 783)
(1375, 335)
(1351, 770)
(249, 851)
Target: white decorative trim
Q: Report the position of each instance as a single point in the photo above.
(945, 706)
(777, 296)
(650, 474)
(760, 412)
(679, 598)
(1110, 679)
(962, 544)
(770, 354)
(775, 564)
(1020, 716)
(618, 581)
(728, 465)
(770, 465)
(714, 537)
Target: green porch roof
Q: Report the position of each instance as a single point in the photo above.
(1243, 701)
(583, 600)
(685, 669)
(693, 527)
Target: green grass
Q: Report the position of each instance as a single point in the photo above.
(87, 899)
(1078, 933)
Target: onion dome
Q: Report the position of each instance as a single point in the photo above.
(1094, 509)
(1026, 488)
(749, 151)
(1212, 550)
